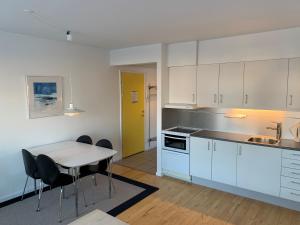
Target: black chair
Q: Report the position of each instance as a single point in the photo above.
(101, 167)
(51, 175)
(30, 169)
(85, 139)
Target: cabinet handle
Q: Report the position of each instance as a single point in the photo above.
(295, 164)
(291, 100)
(296, 155)
(215, 98)
(246, 98)
(293, 193)
(215, 149)
(193, 97)
(208, 145)
(240, 150)
(221, 98)
(295, 173)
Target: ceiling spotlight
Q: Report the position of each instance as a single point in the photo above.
(69, 36)
(30, 11)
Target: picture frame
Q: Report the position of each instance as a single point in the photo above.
(44, 96)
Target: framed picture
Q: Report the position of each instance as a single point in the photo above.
(44, 96)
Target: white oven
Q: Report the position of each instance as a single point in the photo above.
(177, 143)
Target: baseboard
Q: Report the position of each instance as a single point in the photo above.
(248, 194)
(177, 175)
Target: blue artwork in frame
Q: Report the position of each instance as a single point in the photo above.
(44, 96)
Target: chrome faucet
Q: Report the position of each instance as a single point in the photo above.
(278, 129)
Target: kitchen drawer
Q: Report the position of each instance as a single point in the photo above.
(291, 163)
(175, 163)
(291, 183)
(289, 172)
(290, 194)
(289, 154)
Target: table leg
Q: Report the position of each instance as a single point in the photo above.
(76, 175)
(110, 176)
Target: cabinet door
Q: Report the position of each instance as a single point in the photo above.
(293, 98)
(224, 162)
(200, 157)
(175, 164)
(182, 54)
(265, 84)
(258, 168)
(182, 84)
(231, 84)
(207, 85)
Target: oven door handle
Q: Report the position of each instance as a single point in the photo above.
(177, 138)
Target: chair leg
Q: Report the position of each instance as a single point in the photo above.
(24, 188)
(84, 199)
(95, 179)
(40, 196)
(60, 203)
(35, 186)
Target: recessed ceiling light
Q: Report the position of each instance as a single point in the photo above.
(28, 11)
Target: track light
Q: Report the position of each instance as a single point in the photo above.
(69, 36)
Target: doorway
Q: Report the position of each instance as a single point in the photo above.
(133, 104)
(138, 95)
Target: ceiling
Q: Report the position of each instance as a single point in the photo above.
(123, 23)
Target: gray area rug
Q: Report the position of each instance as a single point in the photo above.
(24, 212)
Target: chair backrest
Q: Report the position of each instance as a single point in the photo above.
(29, 164)
(102, 165)
(85, 139)
(48, 169)
(104, 143)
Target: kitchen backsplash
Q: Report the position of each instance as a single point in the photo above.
(254, 123)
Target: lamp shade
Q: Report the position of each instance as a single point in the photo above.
(72, 111)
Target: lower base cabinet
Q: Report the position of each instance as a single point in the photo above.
(176, 164)
(258, 169)
(224, 162)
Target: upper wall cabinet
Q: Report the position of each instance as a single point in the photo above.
(265, 84)
(231, 85)
(293, 98)
(182, 54)
(182, 84)
(207, 85)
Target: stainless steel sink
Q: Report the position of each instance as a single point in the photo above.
(264, 140)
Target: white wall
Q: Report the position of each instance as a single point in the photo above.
(267, 45)
(136, 55)
(94, 89)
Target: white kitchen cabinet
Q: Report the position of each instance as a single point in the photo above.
(207, 85)
(182, 85)
(231, 85)
(224, 162)
(258, 168)
(182, 54)
(176, 164)
(265, 84)
(200, 157)
(293, 98)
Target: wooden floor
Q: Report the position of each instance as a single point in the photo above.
(180, 203)
(144, 161)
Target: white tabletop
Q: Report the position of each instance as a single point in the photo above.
(73, 154)
(98, 217)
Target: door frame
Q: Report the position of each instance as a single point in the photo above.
(121, 104)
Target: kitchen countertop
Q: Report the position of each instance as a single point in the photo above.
(242, 138)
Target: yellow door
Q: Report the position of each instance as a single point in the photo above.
(132, 113)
